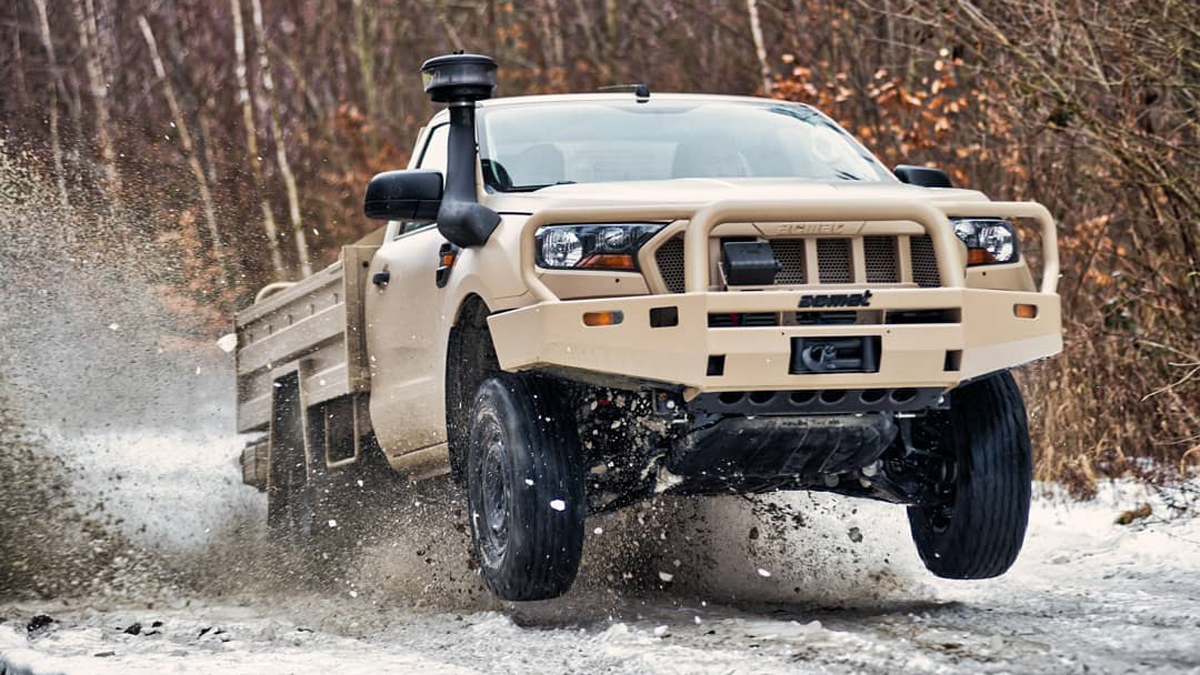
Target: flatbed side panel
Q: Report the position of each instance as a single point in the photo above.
(305, 323)
(316, 328)
(356, 260)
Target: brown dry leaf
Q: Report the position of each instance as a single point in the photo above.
(1131, 515)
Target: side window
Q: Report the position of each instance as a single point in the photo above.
(434, 156)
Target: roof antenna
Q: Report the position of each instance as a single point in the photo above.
(640, 91)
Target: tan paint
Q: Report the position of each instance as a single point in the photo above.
(406, 358)
(537, 314)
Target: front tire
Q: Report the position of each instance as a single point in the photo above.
(978, 528)
(525, 488)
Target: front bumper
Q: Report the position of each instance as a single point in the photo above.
(988, 337)
(979, 330)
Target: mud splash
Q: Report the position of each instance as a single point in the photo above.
(117, 457)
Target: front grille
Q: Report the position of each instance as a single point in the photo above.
(924, 262)
(833, 261)
(880, 258)
(669, 258)
(836, 261)
(790, 254)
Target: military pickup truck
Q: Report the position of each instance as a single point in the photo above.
(581, 301)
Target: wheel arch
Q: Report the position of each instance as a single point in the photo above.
(470, 360)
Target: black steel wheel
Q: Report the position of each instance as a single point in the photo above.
(525, 488)
(977, 528)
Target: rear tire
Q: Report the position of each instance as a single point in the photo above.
(978, 529)
(525, 488)
(291, 507)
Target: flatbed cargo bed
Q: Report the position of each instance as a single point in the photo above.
(314, 329)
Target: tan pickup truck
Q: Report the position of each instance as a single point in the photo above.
(580, 301)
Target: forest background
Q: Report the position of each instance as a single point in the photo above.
(234, 138)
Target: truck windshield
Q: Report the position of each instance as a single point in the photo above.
(530, 146)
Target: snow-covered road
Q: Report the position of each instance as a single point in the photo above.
(1087, 596)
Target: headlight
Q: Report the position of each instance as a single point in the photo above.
(598, 246)
(989, 240)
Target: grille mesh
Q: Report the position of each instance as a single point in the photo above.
(924, 262)
(669, 257)
(833, 261)
(880, 253)
(790, 254)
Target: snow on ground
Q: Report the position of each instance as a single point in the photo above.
(846, 594)
(176, 489)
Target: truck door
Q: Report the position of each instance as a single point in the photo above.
(408, 406)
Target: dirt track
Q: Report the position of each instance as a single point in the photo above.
(845, 594)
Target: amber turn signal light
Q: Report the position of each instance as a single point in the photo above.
(609, 261)
(1025, 311)
(603, 318)
(979, 256)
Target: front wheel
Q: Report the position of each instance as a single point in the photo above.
(977, 529)
(525, 487)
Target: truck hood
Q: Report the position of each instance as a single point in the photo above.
(700, 191)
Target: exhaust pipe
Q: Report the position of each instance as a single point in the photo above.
(459, 80)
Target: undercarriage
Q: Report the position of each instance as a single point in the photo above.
(637, 444)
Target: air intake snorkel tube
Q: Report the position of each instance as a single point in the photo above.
(459, 80)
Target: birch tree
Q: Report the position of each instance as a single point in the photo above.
(270, 229)
(85, 19)
(57, 88)
(281, 156)
(189, 148)
(760, 49)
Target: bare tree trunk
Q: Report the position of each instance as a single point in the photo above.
(443, 17)
(85, 17)
(285, 169)
(760, 49)
(260, 184)
(551, 26)
(585, 23)
(364, 24)
(189, 149)
(611, 28)
(58, 88)
(19, 68)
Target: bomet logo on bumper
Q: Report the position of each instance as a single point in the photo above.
(836, 300)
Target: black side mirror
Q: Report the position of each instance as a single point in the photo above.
(404, 195)
(922, 175)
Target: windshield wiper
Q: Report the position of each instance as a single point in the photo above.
(534, 188)
(847, 175)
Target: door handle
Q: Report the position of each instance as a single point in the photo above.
(381, 279)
